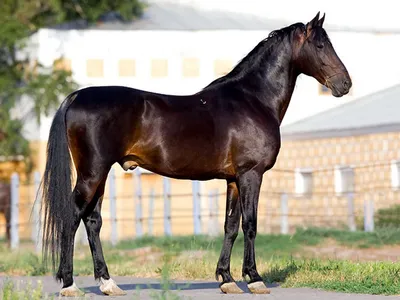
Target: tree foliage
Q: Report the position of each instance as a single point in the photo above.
(20, 73)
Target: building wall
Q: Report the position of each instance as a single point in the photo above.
(369, 155)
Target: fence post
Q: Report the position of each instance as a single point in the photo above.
(81, 235)
(211, 213)
(284, 214)
(196, 207)
(14, 211)
(113, 207)
(216, 211)
(151, 210)
(137, 175)
(167, 206)
(36, 214)
(351, 216)
(213, 217)
(368, 215)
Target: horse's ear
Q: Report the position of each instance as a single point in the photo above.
(310, 25)
(321, 21)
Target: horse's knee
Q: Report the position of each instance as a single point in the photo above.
(232, 235)
(249, 229)
(94, 222)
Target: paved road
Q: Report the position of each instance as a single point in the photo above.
(138, 288)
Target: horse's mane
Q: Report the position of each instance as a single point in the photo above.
(261, 51)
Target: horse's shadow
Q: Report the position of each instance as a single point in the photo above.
(171, 287)
(279, 274)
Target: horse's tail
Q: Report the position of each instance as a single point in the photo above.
(56, 185)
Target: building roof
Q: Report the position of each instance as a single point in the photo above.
(377, 112)
(187, 15)
(177, 16)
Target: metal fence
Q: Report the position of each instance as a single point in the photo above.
(331, 197)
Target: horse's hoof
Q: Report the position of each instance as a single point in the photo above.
(110, 288)
(258, 287)
(71, 291)
(231, 288)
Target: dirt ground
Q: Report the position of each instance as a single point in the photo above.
(331, 249)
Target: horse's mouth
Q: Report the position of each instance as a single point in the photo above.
(336, 92)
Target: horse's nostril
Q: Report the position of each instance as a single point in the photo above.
(346, 84)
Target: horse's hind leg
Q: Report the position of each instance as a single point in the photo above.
(93, 221)
(86, 186)
(231, 227)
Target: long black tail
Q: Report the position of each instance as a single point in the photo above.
(57, 186)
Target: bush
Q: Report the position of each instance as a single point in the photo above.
(388, 217)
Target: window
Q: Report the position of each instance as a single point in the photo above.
(190, 67)
(395, 174)
(95, 68)
(303, 181)
(222, 67)
(344, 179)
(62, 64)
(127, 68)
(159, 68)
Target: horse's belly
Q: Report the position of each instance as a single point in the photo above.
(184, 163)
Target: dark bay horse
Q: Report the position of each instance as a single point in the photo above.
(229, 130)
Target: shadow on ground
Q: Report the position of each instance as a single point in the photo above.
(279, 274)
(171, 287)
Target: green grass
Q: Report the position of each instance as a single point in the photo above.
(12, 292)
(268, 244)
(334, 275)
(359, 239)
(277, 259)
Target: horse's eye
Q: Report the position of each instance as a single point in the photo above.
(320, 46)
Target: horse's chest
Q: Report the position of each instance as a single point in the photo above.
(260, 146)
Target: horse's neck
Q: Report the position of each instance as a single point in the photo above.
(277, 81)
(285, 98)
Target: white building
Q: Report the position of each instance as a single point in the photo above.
(178, 47)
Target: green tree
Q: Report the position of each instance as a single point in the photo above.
(20, 74)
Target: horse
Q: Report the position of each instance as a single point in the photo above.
(5, 209)
(229, 130)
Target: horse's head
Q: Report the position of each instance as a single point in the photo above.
(316, 57)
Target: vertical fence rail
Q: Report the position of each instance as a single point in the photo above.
(167, 206)
(213, 212)
(151, 211)
(36, 213)
(137, 177)
(368, 214)
(351, 214)
(216, 210)
(284, 214)
(113, 207)
(14, 232)
(196, 207)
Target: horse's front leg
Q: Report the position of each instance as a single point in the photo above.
(249, 191)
